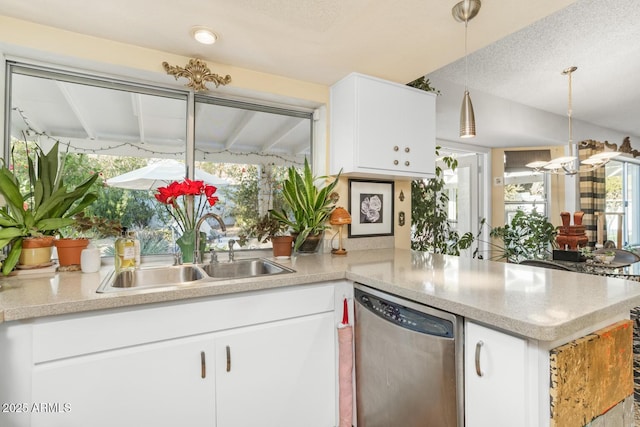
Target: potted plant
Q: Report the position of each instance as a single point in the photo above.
(432, 230)
(310, 207)
(269, 228)
(93, 227)
(76, 237)
(527, 236)
(46, 206)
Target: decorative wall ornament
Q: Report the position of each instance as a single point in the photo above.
(625, 147)
(198, 74)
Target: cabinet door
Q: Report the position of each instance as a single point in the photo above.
(498, 397)
(280, 374)
(155, 385)
(396, 128)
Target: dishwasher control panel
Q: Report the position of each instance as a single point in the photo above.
(405, 317)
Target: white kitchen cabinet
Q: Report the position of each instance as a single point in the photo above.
(277, 375)
(162, 385)
(165, 364)
(380, 128)
(498, 397)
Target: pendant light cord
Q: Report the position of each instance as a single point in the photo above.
(466, 62)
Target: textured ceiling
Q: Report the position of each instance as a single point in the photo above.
(323, 40)
(601, 38)
(312, 40)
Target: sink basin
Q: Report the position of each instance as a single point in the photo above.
(250, 267)
(188, 274)
(152, 277)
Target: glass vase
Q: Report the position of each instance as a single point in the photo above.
(187, 245)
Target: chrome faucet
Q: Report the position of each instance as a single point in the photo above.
(197, 256)
(231, 242)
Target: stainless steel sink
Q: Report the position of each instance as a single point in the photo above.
(153, 277)
(189, 274)
(250, 267)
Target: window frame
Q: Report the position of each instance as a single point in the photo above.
(64, 74)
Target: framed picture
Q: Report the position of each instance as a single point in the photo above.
(371, 208)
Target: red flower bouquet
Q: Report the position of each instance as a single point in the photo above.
(186, 201)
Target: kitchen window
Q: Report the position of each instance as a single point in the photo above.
(524, 189)
(622, 185)
(113, 127)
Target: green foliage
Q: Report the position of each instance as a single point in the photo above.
(613, 185)
(430, 229)
(135, 209)
(42, 203)
(423, 83)
(528, 236)
(154, 242)
(246, 194)
(263, 229)
(310, 207)
(92, 227)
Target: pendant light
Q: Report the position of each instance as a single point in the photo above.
(567, 165)
(465, 11)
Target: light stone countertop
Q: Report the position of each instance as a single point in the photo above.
(533, 302)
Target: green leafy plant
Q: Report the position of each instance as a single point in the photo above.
(431, 230)
(263, 229)
(423, 83)
(47, 205)
(527, 236)
(92, 227)
(310, 207)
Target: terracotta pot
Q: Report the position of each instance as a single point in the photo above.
(36, 250)
(69, 250)
(282, 246)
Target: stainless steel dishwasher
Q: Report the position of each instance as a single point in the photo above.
(408, 363)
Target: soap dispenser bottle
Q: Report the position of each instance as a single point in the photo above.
(136, 246)
(125, 253)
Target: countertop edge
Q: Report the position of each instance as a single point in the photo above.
(425, 278)
(549, 332)
(168, 294)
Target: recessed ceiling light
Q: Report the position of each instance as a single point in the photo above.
(203, 35)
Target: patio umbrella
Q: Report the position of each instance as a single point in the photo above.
(159, 174)
(345, 368)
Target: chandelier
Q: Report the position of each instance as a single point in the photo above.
(569, 165)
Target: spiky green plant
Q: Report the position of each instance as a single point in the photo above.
(310, 207)
(46, 207)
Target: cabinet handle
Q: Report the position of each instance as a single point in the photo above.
(479, 345)
(228, 359)
(203, 365)
(396, 148)
(395, 162)
(406, 163)
(406, 149)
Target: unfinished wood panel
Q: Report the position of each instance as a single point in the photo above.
(591, 375)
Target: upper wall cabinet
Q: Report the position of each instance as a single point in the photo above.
(382, 129)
